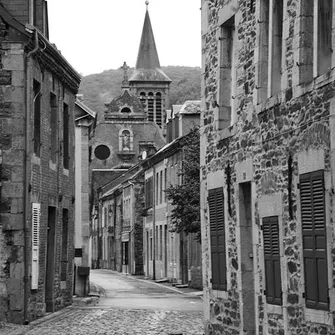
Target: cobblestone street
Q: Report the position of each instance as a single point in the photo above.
(129, 306)
(113, 321)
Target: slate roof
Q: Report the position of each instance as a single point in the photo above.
(147, 66)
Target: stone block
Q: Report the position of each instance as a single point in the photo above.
(5, 77)
(15, 286)
(16, 222)
(16, 301)
(13, 62)
(18, 78)
(17, 271)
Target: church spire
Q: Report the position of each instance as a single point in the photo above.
(147, 65)
(147, 54)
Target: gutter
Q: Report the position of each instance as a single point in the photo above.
(26, 176)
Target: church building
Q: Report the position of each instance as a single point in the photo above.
(131, 128)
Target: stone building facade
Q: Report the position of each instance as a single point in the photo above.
(38, 88)
(169, 255)
(267, 166)
(121, 204)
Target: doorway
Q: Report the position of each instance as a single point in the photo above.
(247, 256)
(50, 266)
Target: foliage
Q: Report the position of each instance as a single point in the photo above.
(185, 215)
(99, 89)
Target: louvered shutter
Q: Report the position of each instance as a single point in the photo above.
(313, 222)
(272, 260)
(217, 233)
(36, 215)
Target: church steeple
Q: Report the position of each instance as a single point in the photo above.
(148, 81)
(147, 65)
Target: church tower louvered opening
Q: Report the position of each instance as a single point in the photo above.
(148, 81)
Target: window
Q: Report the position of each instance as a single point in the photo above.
(271, 39)
(159, 115)
(275, 46)
(161, 187)
(273, 290)
(37, 118)
(66, 137)
(313, 221)
(53, 127)
(157, 188)
(36, 219)
(227, 73)
(160, 243)
(149, 192)
(323, 12)
(125, 253)
(217, 233)
(151, 107)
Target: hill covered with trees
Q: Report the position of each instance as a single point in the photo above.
(101, 88)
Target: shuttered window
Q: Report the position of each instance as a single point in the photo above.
(313, 222)
(36, 215)
(273, 290)
(149, 192)
(218, 244)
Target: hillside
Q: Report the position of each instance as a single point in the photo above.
(101, 88)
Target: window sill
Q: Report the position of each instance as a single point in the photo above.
(36, 160)
(319, 316)
(216, 294)
(52, 166)
(274, 309)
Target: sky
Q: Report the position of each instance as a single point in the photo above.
(100, 35)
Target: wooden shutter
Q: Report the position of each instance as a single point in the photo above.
(217, 232)
(313, 222)
(272, 260)
(36, 215)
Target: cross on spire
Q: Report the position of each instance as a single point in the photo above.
(147, 3)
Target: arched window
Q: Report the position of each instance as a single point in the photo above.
(126, 140)
(151, 107)
(143, 99)
(125, 110)
(159, 115)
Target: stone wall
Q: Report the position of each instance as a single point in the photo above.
(271, 143)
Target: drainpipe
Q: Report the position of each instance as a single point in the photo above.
(26, 176)
(154, 224)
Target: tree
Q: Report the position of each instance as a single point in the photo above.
(185, 215)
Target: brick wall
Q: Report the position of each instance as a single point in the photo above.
(49, 185)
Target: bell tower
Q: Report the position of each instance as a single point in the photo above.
(148, 81)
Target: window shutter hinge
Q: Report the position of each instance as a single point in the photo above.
(298, 186)
(264, 292)
(303, 294)
(261, 227)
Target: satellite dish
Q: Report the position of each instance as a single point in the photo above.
(144, 154)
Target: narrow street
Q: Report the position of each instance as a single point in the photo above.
(129, 306)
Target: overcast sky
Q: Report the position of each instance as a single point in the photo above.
(100, 35)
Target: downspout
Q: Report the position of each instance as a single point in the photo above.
(154, 224)
(26, 177)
